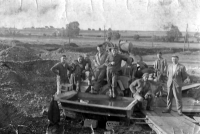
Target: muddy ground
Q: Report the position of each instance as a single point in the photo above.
(27, 84)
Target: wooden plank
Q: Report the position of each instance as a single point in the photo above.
(186, 87)
(166, 121)
(189, 105)
(197, 118)
(170, 120)
(188, 109)
(185, 119)
(158, 122)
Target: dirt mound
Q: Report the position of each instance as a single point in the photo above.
(18, 53)
(71, 45)
(90, 50)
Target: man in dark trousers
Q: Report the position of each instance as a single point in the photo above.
(176, 76)
(100, 67)
(113, 63)
(61, 70)
(160, 66)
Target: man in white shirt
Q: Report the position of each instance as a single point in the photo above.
(176, 76)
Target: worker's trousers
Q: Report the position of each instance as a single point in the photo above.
(177, 93)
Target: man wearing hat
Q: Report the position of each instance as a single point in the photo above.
(100, 67)
(160, 66)
(113, 63)
(176, 74)
(141, 88)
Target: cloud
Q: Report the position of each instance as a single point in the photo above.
(117, 14)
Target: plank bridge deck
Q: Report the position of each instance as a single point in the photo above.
(170, 123)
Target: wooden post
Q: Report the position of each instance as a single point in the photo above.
(187, 37)
(152, 39)
(184, 44)
(104, 34)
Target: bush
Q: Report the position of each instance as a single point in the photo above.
(136, 37)
(173, 34)
(116, 35)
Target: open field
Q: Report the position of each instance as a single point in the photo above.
(91, 41)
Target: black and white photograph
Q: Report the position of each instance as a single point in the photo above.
(99, 66)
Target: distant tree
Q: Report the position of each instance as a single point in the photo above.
(99, 29)
(46, 27)
(51, 27)
(89, 29)
(197, 36)
(93, 29)
(109, 33)
(173, 34)
(136, 37)
(54, 34)
(33, 27)
(116, 35)
(72, 29)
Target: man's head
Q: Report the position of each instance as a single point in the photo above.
(63, 59)
(145, 76)
(109, 38)
(86, 56)
(159, 55)
(80, 59)
(175, 59)
(100, 48)
(114, 50)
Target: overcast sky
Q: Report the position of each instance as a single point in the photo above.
(145, 15)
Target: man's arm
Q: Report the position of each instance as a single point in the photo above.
(126, 58)
(168, 72)
(132, 86)
(155, 65)
(184, 74)
(165, 66)
(107, 61)
(54, 69)
(101, 66)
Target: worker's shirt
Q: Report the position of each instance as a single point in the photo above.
(62, 72)
(174, 68)
(161, 65)
(141, 87)
(100, 59)
(117, 59)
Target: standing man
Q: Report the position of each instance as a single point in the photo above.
(76, 73)
(160, 66)
(99, 63)
(176, 76)
(61, 70)
(113, 63)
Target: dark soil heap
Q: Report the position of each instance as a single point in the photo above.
(18, 53)
(25, 91)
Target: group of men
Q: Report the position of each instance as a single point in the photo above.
(107, 64)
